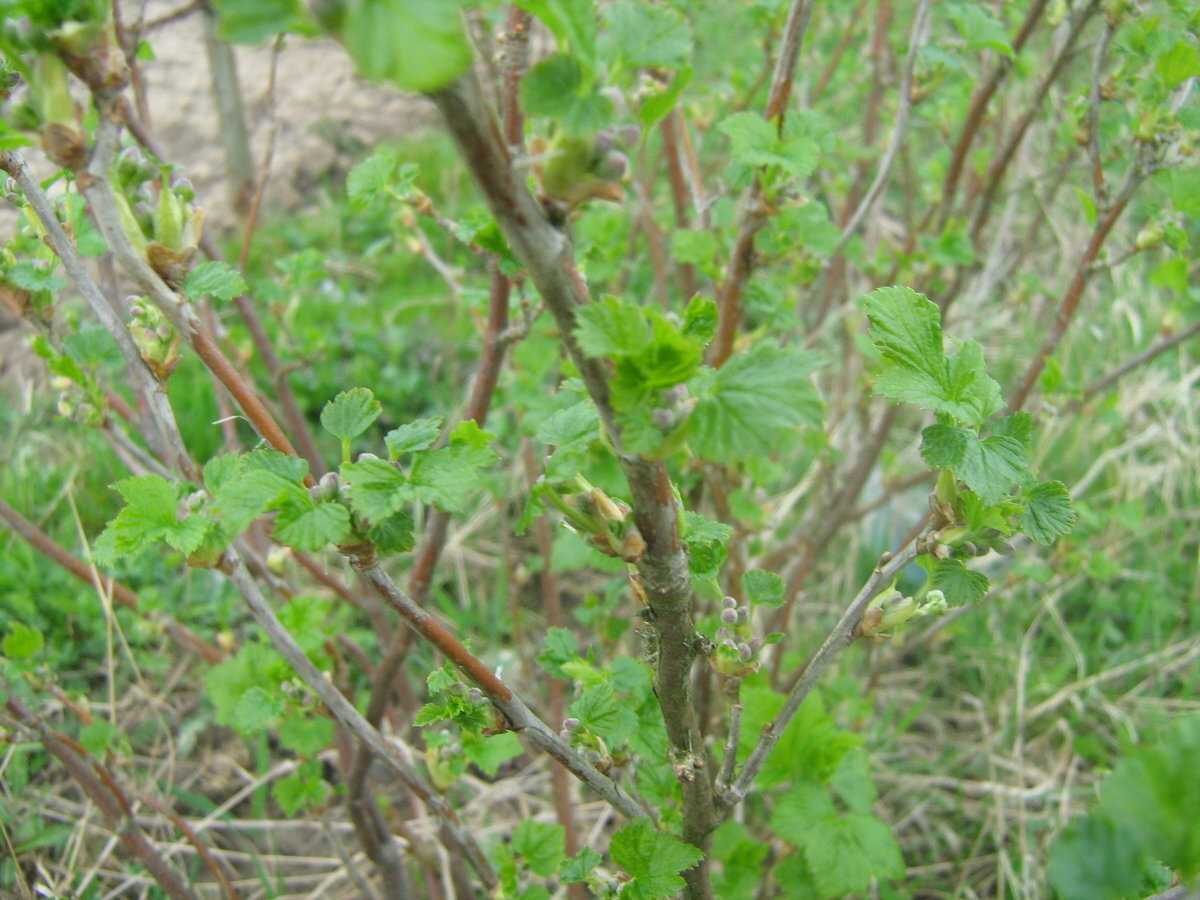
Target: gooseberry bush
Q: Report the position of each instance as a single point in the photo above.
(730, 279)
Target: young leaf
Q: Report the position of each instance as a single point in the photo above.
(579, 866)
(1048, 512)
(849, 852)
(376, 488)
(560, 648)
(253, 21)
(414, 436)
(418, 45)
(1095, 859)
(763, 588)
(990, 467)
(756, 142)
(572, 23)
(612, 327)
(314, 528)
(149, 515)
(556, 88)
(747, 408)
(945, 446)
(489, 752)
(255, 709)
(22, 641)
(960, 585)
(215, 278)
(350, 413)
(394, 534)
(541, 845)
(306, 734)
(649, 35)
(653, 858)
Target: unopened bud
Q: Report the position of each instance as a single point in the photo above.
(606, 507)
(730, 603)
(363, 457)
(729, 616)
(475, 695)
(745, 652)
(571, 723)
(743, 614)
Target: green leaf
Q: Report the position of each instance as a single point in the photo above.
(418, 45)
(290, 468)
(380, 174)
(558, 88)
(751, 405)
(579, 866)
(649, 35)
(1048, 512)
(375, 487)
(852, 781)
(806, 808)
(597, 708)
(979, 28)
(990, 467)
(448, 477)
(314, 528)
(763, 588)
(700, 319)
(906, 328)
(418, 435)
(489, 752)
(430, 713)
(149, 515)
(22, 641)
(241, 500)
(849, 852)
(215, 278)
(756, 142)
(394, 534)
(960, 585)
(541, 844)
(705, 541)
(694, 246)
(945, 446)
(350, 413)
(612, 327)
(1154, 793)
(255, 709)
(1093, 859)
(31, 277)
(560, 648)
(304, 789)
(97, 736)
(253, 21)
(1179, 64)
(653, 858)
(573, 24)
(741, 859)
(219, 471)
(306, 734)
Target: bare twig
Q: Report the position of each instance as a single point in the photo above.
(1103, 384)
(752, 215)
(352, 719)
(1099, 190)
(839, 638)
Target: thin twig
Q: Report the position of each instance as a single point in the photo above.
(839, 638)
(1103, 384)
(1099, 190)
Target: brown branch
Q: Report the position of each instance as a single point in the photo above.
(979, 104)
(1103, 384)
(838, 52)
(43, 544)
(103, 790)
(996, 171)
(1074, 292)
(546, 254)
(751, 214)
(1099, 190)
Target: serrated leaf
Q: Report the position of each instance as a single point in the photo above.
(558, 89)
(418, 45)
(306, 734)
(649, 35)
(289, 468)
(148, 516)
(219, 471)
(243, 499)
(579, 866)
(907, 329)
(489, 752)
(1178, 64)
(1093, 859)
(394, 534)
(805, 808)
(748, 407)
(315, 528)
(255, 709)
(700, 319)
(653, 858)
(215, 278)
(414, 436)
(756, 142)
(960, 585)
(763, 588)
(22, 641)
(560, 648)
(852, 781)
(448, 477)
(350, 413)
(541, 844)
(1048, 512)
(849, 852)
(374, 176)
(376, 488)
(429, 714)
(612, 327)
(990, 467)
(300, 791)
(945, 446)
(572, 23)
(979, 28)
(597, 708)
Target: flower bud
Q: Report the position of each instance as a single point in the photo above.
(745, 652)
(730, 603)
(743, 614)
(571, 724)
(475, 695)
(363, 457)
(729, 616)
